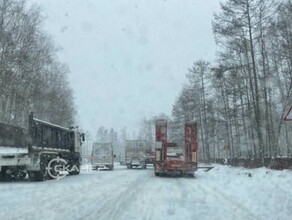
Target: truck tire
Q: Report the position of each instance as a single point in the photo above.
(53, 170)
(191, 175)
(40, 175)
(14, 175)
(75, 171)
(3, 175)
(188, 174)
(111, 167)
(22, 176)
(18, 175)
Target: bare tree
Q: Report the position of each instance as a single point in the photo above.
(31, 79)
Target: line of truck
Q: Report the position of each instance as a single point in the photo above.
(40, 150)
(137, 154)
(170, 158)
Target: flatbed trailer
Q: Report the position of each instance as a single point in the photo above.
(182, 163)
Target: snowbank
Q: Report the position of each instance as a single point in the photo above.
(263, 192)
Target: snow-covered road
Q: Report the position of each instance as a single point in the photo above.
(222, 193)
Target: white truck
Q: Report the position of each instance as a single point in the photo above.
(136, 153)
(102, 156)
(39, 150)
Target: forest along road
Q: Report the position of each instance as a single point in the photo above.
(118, 194)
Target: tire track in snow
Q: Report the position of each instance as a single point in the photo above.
(117, 205)
(99, 199)
(126, 194)
(237, 211)
(64, 199)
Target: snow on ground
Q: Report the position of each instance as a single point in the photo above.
(265, 193)
(222, 193)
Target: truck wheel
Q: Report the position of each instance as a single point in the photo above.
(74, 171)
(188, 174)
(31, 175)
(40, 175)
(4, 176)
(14, 175)
(111, 167)
(22, 177)
(18, 175)
(1, 176)
(191, 175)
(53, 170)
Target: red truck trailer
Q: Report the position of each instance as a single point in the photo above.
(173, 159)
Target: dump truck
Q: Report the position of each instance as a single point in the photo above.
(102, 156)
(173, 159)
(43, 151)
(136, 154)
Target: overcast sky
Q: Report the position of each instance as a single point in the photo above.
(128, 58)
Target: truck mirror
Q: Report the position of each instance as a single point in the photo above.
(83, 137)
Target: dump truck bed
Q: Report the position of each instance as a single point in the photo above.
(6, 151)
(13, 136)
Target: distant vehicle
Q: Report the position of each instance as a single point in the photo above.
(150, 156)
(34, 150)
(170, 158)
(136, 153)
(102, 156)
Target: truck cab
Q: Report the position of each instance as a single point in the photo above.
(136, 154)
